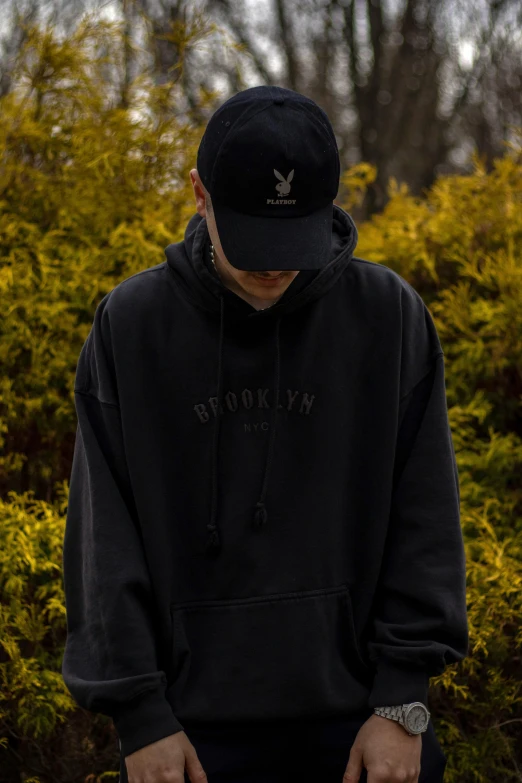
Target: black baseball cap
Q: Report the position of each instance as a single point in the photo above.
(269, 160)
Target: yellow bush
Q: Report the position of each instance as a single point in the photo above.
(90, 193)
(461, 248)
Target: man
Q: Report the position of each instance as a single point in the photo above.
(263, 558)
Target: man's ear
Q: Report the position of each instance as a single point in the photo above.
(199, 193)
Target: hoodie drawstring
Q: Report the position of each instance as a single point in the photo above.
(213, 540)
(260, 515)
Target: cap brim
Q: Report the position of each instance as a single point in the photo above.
(257, 243)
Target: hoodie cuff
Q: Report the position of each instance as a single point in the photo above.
(395, 684)
(145, 719)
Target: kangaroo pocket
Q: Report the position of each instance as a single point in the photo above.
(278, 656)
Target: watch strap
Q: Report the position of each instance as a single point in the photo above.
(397, 712)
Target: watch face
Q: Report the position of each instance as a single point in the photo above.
(416, 719)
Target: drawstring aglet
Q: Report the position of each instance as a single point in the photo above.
(261, 516)
(213, 539)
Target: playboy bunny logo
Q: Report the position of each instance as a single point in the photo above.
(283, 187)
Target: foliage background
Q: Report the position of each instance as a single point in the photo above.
(91, 191)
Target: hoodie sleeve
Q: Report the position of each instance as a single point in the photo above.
(110, 658)
(419, 621)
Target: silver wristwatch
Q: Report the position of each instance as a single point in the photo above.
(413, 717)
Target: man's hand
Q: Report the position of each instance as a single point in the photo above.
(164, 762)
(389, 754)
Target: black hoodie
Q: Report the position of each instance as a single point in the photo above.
(298, 555)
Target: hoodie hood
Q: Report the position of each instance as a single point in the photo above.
(202, 285)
